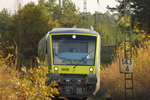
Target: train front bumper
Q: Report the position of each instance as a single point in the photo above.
(75, 85)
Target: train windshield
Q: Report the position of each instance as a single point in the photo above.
(74, 49)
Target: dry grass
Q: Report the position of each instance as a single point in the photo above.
(112, 81)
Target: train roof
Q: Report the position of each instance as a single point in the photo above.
(73, 30)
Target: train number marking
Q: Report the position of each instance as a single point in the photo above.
(65, 69)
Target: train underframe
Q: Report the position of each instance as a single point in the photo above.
(75, 85)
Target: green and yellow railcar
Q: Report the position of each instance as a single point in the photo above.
(73, 58)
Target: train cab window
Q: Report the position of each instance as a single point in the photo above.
(74, 50)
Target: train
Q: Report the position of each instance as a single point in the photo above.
(73, 58)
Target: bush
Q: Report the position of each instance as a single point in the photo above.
(26, 85)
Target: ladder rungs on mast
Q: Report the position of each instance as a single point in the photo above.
(129, 50)
(127, 31)
(129, 79)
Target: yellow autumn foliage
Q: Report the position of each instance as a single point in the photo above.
(124, 21)
(25, 85)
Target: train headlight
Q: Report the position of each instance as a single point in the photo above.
(91, 69)
(56, 68)
(74, 36)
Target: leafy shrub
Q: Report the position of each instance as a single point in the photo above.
(26, 85)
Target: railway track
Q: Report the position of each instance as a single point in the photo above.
(64, 98)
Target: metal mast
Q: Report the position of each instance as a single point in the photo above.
(85, 8)
(127, 61)
(60, 3)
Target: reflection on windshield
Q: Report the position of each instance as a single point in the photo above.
(71, 51)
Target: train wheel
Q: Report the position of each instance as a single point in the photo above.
(56, 98)
(84, 98)
(71, 98)
(91, 98)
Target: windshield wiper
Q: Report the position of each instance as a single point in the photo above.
(83, 59)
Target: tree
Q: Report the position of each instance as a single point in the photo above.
(34, 22)
(5, 20)
(65, 14)
(140, 13)
(107, 26)
(69, 15)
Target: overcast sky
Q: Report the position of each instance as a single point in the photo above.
(92, 5)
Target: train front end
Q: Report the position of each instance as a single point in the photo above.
(75, 61)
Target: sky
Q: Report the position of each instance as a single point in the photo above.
(92, 5)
